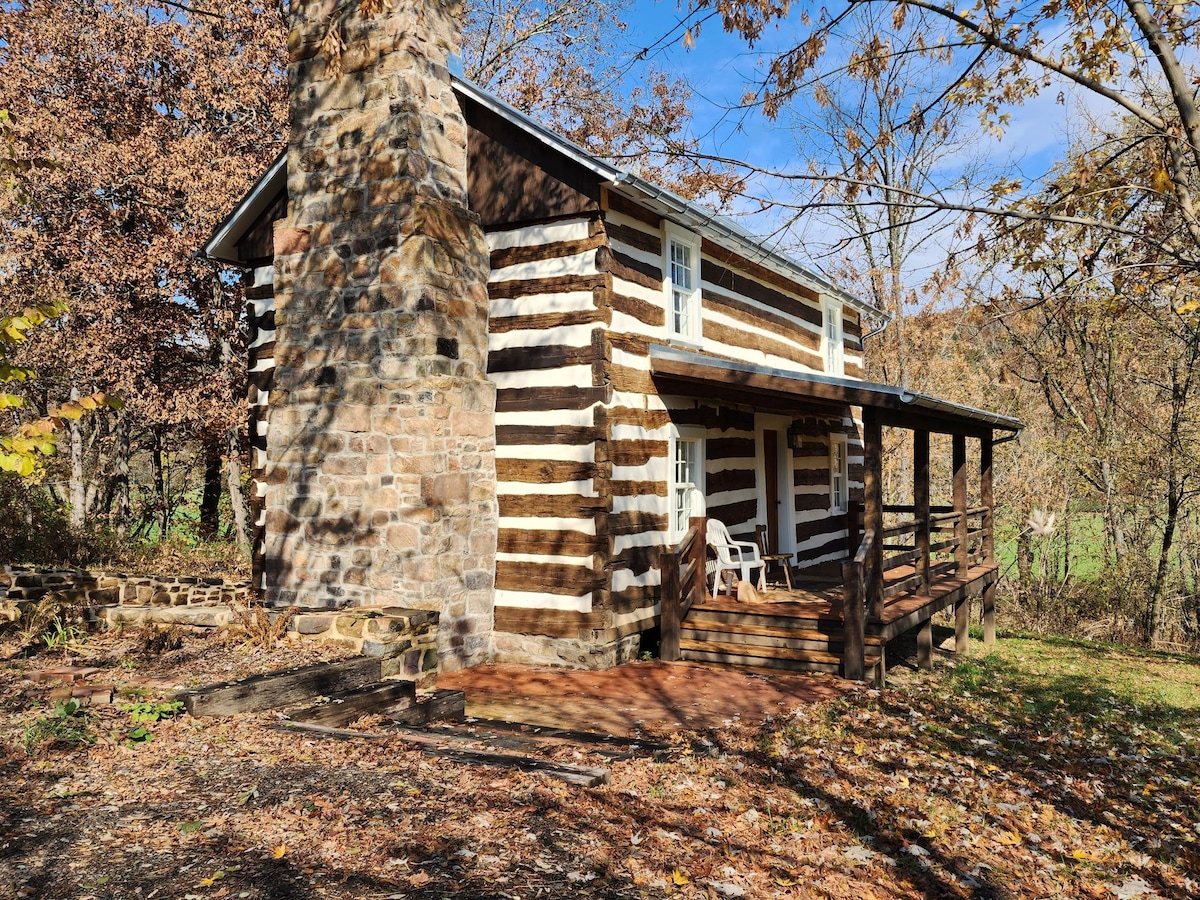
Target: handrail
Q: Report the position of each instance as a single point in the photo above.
(682, 583)
(864, 547)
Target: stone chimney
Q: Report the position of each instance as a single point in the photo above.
(381, 437)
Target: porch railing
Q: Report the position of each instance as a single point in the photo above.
(683, 583)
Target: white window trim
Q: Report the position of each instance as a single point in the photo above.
(839, 440)
(679, 235)
(833, 351)
(685, 433)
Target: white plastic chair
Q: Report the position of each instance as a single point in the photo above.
(738, 557)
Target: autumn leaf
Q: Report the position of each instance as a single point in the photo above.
(680, 878)
(212, 879)
(279, 852)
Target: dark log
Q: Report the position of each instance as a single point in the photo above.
(345, 707)
(278, 690)
(561, 284)
(635, 237)
(440, 706)
(762, 273)
(525, 253)
(541, 400)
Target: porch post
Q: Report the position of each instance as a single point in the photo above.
(700, 555)
(962, 609)
(989, 538)
(960, 503)
(873, 508)
(921, 504)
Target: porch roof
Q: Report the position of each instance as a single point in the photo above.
(895, 406)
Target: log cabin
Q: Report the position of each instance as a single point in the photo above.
(496, 376)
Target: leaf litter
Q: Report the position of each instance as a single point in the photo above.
(972, 782)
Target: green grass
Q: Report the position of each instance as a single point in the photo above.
(1140, 677)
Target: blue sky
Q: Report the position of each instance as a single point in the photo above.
(719, 69)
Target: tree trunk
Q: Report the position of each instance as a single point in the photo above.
(233, 479)
(160, 487)
(210, 499)
(78, 487)
(120, 516)
(1024, 565)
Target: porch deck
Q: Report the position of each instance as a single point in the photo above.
(821, 599)
(804, 629)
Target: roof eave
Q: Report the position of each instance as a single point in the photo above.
(222, 246)
(672, 361)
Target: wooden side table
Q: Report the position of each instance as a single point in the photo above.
(783, 559)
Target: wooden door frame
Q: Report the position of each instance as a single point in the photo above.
(786, 522)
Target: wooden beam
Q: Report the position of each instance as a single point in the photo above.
(853, 662)
(345, 707)
(439, 706)
(989, 615)
(277, 690)
(925, 645)
(671, 603)
(962, 619)
(873, 509)
(987, 499)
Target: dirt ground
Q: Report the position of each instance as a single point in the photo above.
(966, 783)
(637, 697)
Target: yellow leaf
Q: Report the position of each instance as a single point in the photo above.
(280, 851)
(860, 749)
(1081, 855)
(1161, 181)
(679, 878)
(1008, 838)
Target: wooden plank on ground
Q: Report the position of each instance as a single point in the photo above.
(570, 736)
(430, 745)
(348, 706)
(274, 690)
(437, 707)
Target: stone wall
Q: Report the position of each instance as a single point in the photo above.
(109, 588)
(381, 441)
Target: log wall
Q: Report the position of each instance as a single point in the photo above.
(260, 374)
(548, 357)
(749, 314)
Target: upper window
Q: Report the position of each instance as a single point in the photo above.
(835, 361)
(687, 481)
(681, 264)
(839, 474)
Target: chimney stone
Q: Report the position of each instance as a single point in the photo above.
(381, 443)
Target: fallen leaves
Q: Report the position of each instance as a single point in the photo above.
(933, 788)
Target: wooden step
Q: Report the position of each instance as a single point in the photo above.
(828, 663)
(764, 619)
(701, 623)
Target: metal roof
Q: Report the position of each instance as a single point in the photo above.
(700, 367)
(721, 229)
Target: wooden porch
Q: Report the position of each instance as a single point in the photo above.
(904, 564)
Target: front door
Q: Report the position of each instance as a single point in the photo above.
(773, 504)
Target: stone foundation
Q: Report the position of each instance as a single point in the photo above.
(532, 649)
